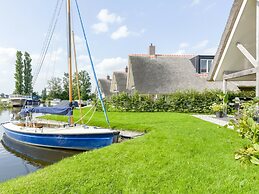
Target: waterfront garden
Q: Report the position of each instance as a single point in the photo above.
(179, 154)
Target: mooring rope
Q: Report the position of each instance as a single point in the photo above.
(91, 116)
(85, 114)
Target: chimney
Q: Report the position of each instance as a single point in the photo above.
(126, 69)
(152, 49)
(108, 77)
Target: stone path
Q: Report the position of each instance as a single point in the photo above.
(212, 118)
(130, 134)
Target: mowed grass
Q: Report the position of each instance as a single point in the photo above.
(179, 154)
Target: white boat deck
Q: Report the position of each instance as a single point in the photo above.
(59, 130)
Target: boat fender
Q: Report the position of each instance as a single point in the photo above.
(11, 116)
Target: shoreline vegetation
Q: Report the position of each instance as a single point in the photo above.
(4, 105)
(179, 154)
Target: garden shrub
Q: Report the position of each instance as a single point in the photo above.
(246, 124)
(188, 101)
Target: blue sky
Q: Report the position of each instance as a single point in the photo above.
(115, 29)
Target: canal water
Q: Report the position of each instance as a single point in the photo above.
(17, 159)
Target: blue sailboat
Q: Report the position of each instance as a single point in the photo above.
(60, 135)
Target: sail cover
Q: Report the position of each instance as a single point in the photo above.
(48, 110)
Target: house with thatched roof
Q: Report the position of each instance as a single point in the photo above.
(164, 74)
(105, 86)
(237, 58)
(119, 81)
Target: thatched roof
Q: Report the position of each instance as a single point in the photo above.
(119, 81)
(164, 74)
(105, 85)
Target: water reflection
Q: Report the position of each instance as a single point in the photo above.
(38, 156)
(18, 159)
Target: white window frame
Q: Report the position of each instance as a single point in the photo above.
(207, 64)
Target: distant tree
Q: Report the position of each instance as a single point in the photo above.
(55, 87)
(65, 80)
(59, 88)
(18, 76)
(27, 74)
(85, 85)
(36, 94)
(44, 94)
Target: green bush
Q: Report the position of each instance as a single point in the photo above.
(5, 105)
(246, 124)
(188, 101)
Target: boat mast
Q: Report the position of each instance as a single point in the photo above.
(77, 79)
(69, 54)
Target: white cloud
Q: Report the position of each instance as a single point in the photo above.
(55, 64)
(106, 17)
(7, 55)
(7, 64)
(195, 2)
(121, 32)
(83, 59)
(180, 52)
(108, 65)
(103, 67)
(100, 27)
(201, 44)
(184, 45)
(210, 51)
(200, 48)
(78, 40)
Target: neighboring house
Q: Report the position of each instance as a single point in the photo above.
(237, 58)
(164, 74)
(119, 82)
(105, 86)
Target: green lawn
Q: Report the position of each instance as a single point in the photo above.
(180, 154)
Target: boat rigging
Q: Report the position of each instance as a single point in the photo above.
(60, 135)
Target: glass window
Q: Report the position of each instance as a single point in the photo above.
(205, 65)
(209, 64)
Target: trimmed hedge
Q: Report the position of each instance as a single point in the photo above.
(188, 101)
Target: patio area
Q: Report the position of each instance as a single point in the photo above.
(213, 119)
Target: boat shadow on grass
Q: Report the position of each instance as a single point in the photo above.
(37, 156)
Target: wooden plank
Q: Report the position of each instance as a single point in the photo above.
(246, 53)
(230, 38)
(224, 86)
(240, 74)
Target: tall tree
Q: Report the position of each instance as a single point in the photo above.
(54, 86)
(27, 74)
(18, 76)
(85, 85)
(65, 81)
(44, 94)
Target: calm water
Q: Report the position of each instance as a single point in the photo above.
(18, 159)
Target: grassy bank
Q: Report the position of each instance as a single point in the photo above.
(180, 154)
